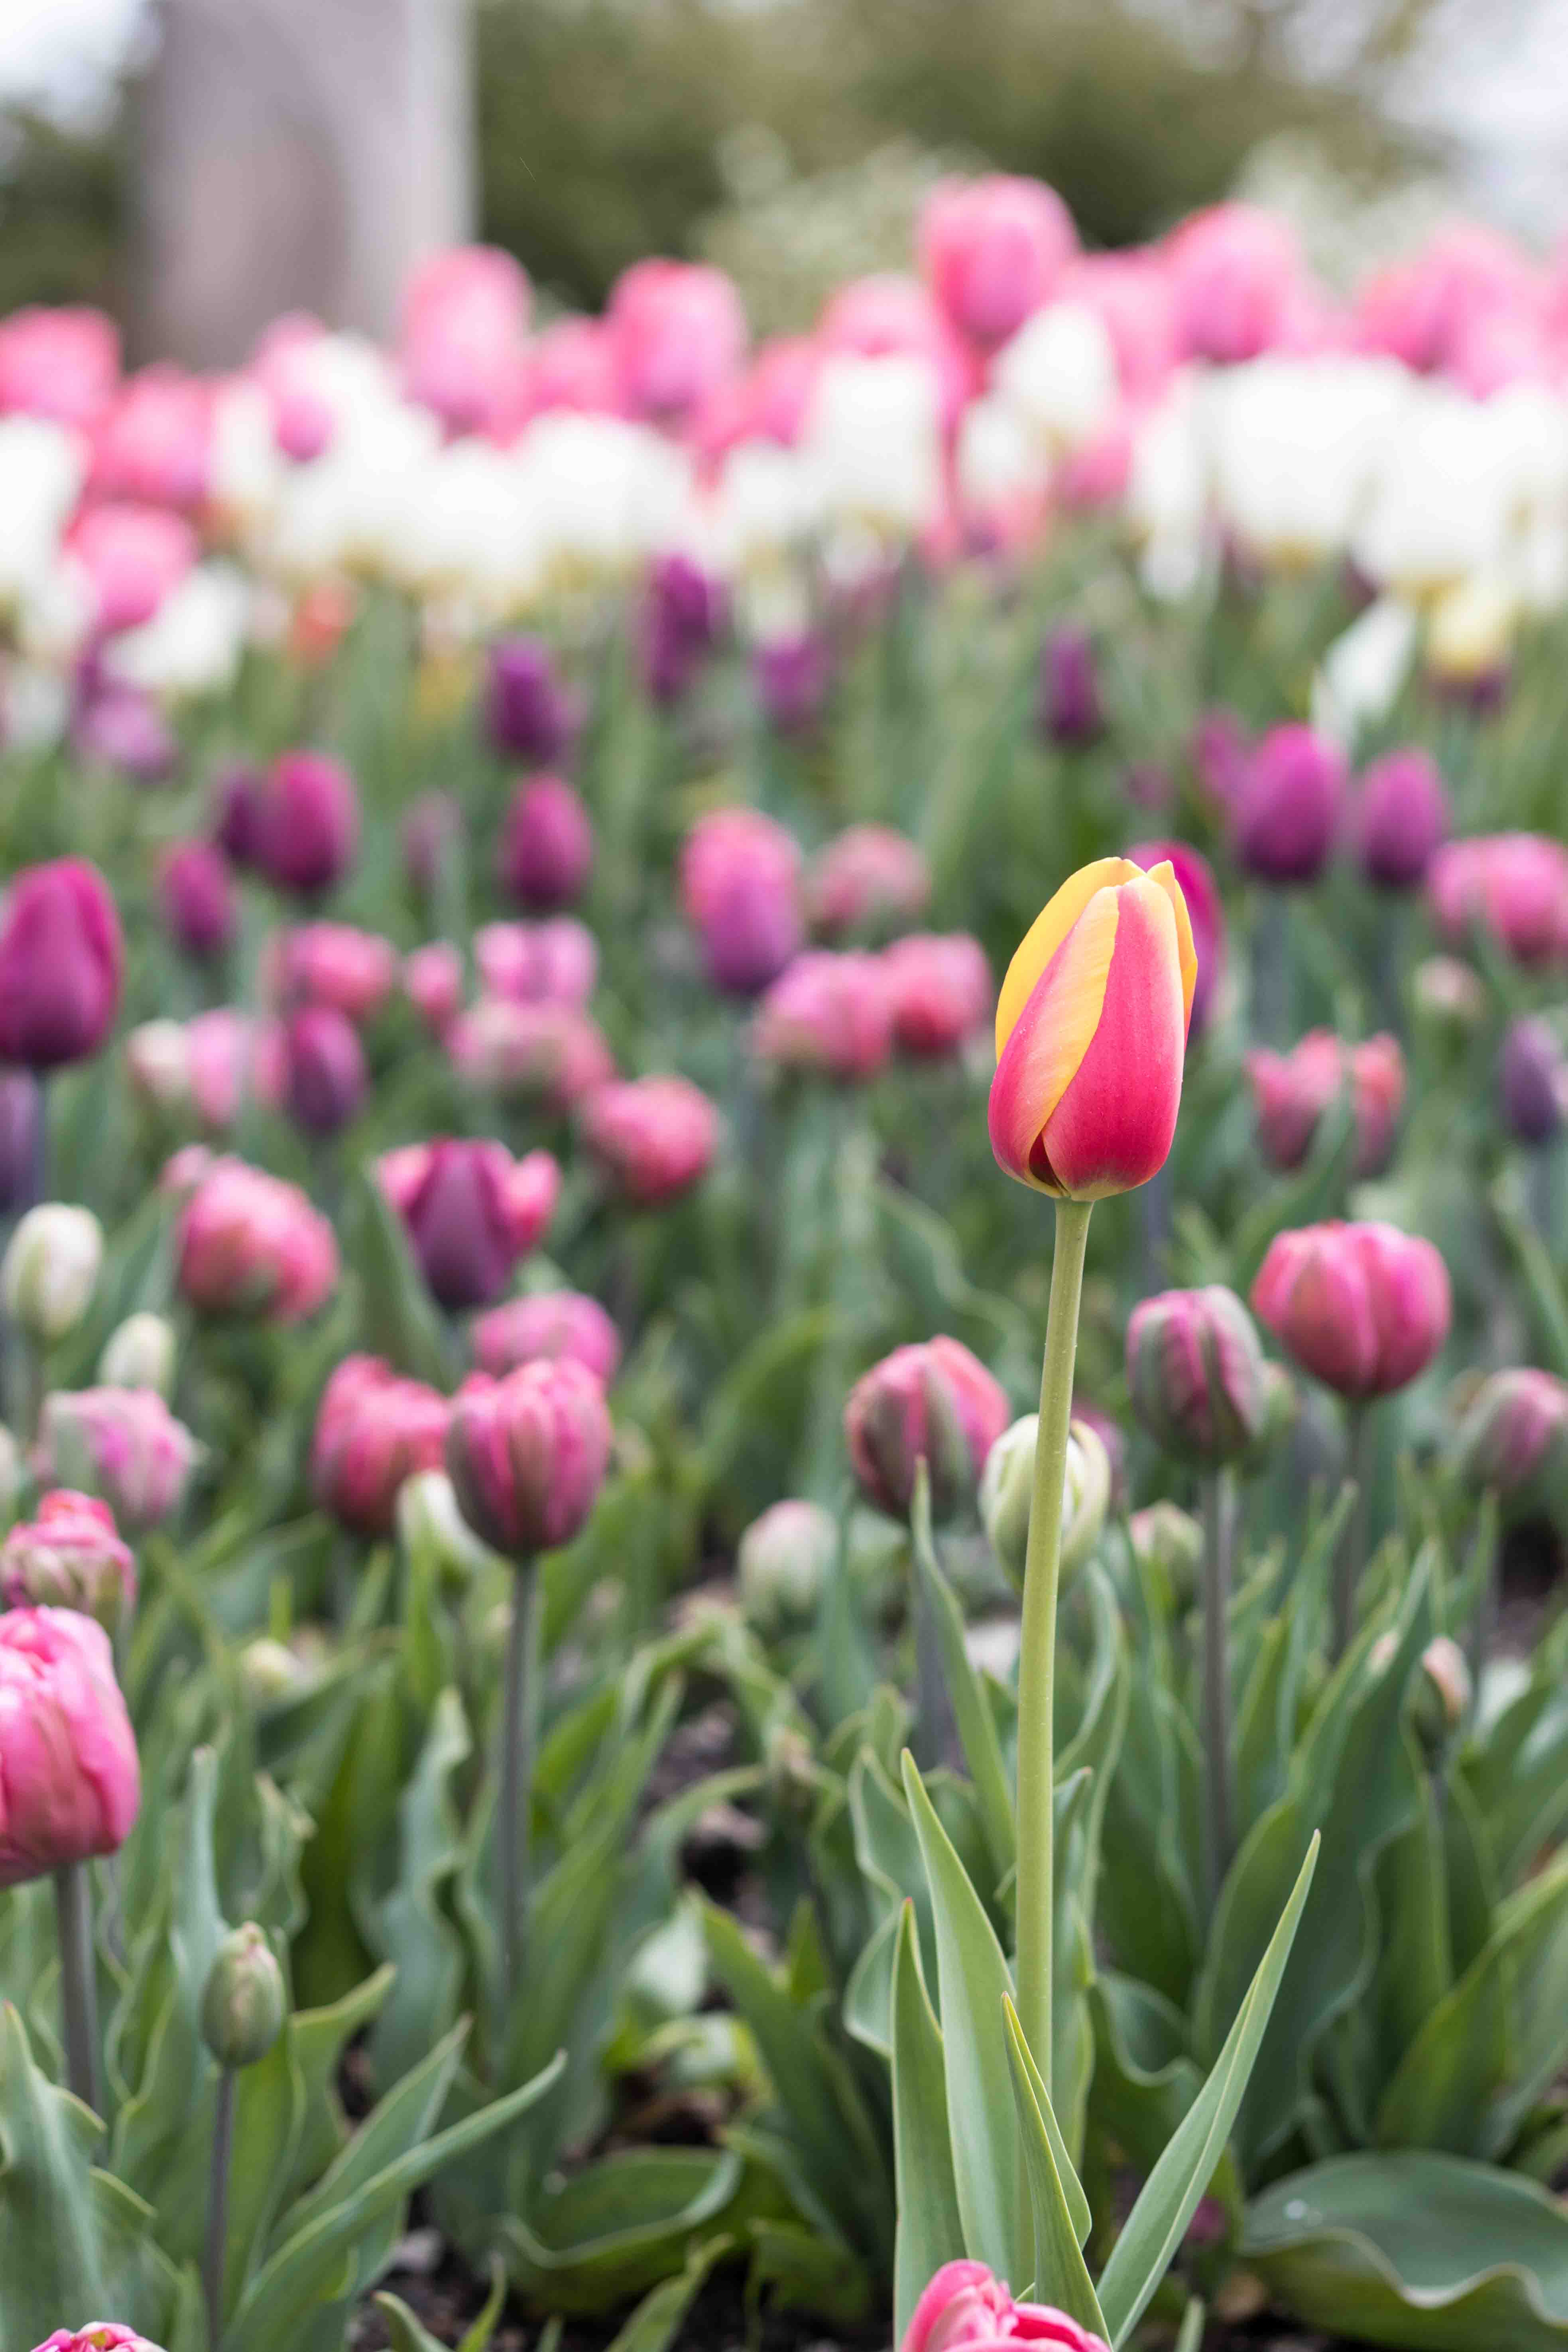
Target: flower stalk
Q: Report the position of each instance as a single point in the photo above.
(519, 1730)
(78, 1982)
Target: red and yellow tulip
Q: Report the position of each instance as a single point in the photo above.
(1092, 1031)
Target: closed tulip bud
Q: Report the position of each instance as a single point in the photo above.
(1363, 1307)
(1006, 1495)
(653, 1138)
(793, 676)
(546, 844)
(433, 983)
(429, 1525)
(269, 1671)
(1513, 885)
(527, 1455)
(1091, 1030)
(431, 837)
(966, 2309)
(245, 2003)
(1206, 914)
(326, 1079)
(832, 1011)
(98, 2335)
(1292, 1091)
(307, 822)
(782, 1562)
(992, 251)
(237, 799)
(683, 620)
(197, 892)
(470, 1211)
(867, 879)
(550, 1056)
(1442, 1696)
(556, 962)
(1196, 1371)
(551, 1324)
(69, 1781)
(533, 716)
(1067, 705)
(677, 332)
(933, 1401)
(249, 1244)
(1532, 1080)
(373, 1430)
(352, 972)
(50, 1269)
(1168, 1542)
(1448, 997)
(1402, 819)
(62, 957)
(939, 990)
(70, 1556)
(1286, 814)
(140, 1353)
(122, 1443)
(1513, 1439)
(20, 1117)
(741, 888)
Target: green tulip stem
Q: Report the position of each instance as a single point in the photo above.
(1219, 1535)
(1037, 1648)
(1351, 1557)
(217, 2204)
(520, 1725)
(78, 1982)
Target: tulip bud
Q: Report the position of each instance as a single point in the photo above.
(993, 251)
(965, 2305)
(334, 964)
(430, 1524)
(372, 1431)
(244, 2004)
(1196, 1374)
(1292, 1091)
(1449, 998)
(556, 962)
(830, 1011)
(782, 1562)
(70, 1556)
(684, 618)
(433, 983)
(1402, 818)
(740, 885)
(547, 843)
(269, 1671)
(121, 726)
(1168, 1542)
(793, 676)
(325, 1064)
(139, 1353)
(1513, 1441)
(548, 1054)
(249, 1244)
(532, 715)
(122, 1443)
(238, 800)
(1007, 1487)
(1515, 884)
(527, 1455)
(1067, 705)
(69, 1781)
(1220, 754)
(197, 891)
(653, 1138)
(1363, 1307)
(1532, 1080)
(307, 822)
(471, 1212)
(98, 2335)
(1442, 1696)
(1091, 1029)
(940, 992)
(50, 1269)
(553, 1324)
(1286, 814)
(869, 879)
(933, 1401)
(62, 956)
(20, 1117)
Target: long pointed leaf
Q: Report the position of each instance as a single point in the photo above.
(1060, 2274)
(930, 2229)
(970, 1710)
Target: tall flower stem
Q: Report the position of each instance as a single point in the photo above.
(1353, 1547)
(1219, 1527)
(520, 1724)
(78, 1982)
(1038, 1649)
(217, 2202)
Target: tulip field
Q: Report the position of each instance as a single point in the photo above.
(783, 1314)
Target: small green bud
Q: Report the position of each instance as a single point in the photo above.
(1168, 1542)
(139, 1354)
(782, 1561)
(245, 2003)
(1006, 1493)
(50, 1269)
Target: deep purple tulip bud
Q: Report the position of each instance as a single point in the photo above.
(471, 1212)
(1199, 1380)
(533, 715)
(1067, 706)
(1219, 754)
(308, 832)
(686, 612)
(793, 676)
(933, 1400)
(326, 1072)
(546, 844)
(1402, 819)
(527, 1455)
(61, 959)
(1533, 1081)
(20, 1113)
(432, 830)
(196, 889)
(238, 800)
(551, 1324)
(1513, 1439)
(121, 726)
(1286, 814)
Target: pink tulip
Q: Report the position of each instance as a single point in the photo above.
(197, 892)
(471, 1212)
(154, 443)
(1235, 273)
(307, 822)
(832, 1011)
(546, 844)
(553, 1324)
(133, 557)
(769, 403)
(933, 1400)
(1430, 309)
(1401, 819)
(284, 366)
(373, 1430)
(1286, 812)
(123, 1445)
(70, 1785)
(966, 2309)
(550, 1054)
(939, 990)
(228, 1057)
(61, 959)
(793, 676)
(573, 366)
(653, 1138)
(740, 888)
(249, 1244)
(677, 330)
(70, 1556)
(60, 364)
(1515, 1439)
(554, 962)
(1291, 1092)
(992, 251)
(98, 2335)
(1131, 294)
(1513, 884)
(1363, 1307)
(1206, 913)
(887, 314)
(867, 877)
(463, 342)
(433, 983)
(353, 972)
(527, 1455)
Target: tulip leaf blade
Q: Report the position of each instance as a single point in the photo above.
(972, 1710)
(1061, 2275)
(929, 2229)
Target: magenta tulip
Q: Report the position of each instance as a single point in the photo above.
(933, 1401)
(61, 959)
(551, 1324)
(70, 1784)
(527, 1455)
(373, 1430)
(653, 1138)
(1363, 1307)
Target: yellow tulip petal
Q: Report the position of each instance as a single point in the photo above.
(1164, 873)
(1046, 932)
(1048, 1045)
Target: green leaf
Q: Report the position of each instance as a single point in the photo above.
(1415, 2249)
(1060, 2276)
(974, 1980)
(408, 2334)
(929, 2231)
(972, 1710)
(49, 2261)
(414, 1931)
(400, 1319)
(657, 2321)
(1170, 2196)
(618, 2226)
